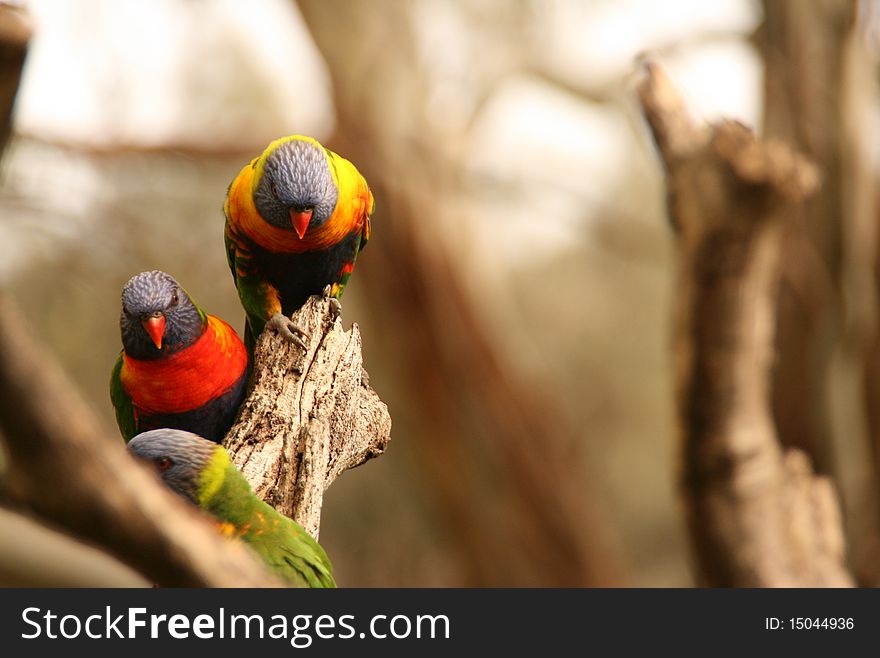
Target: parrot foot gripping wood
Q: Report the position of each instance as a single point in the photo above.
(309, 415)
(286, 327)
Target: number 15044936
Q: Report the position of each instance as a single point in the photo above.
(809, 623)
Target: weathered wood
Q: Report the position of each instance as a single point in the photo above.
(309, 416)
(757, 514)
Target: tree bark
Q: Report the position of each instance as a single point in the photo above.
(757, 514)
(310, 415)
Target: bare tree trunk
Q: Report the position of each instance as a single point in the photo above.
(497, 451)
(758, 516)
(821, 88)
(804, 46)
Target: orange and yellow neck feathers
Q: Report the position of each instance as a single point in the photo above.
(353, 207)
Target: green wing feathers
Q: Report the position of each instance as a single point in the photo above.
(290, 551)
(254, 291)
(286, 548)
(125, 415)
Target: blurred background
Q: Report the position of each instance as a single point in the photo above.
(515, 300)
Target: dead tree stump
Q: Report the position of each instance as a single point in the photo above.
(309, 415)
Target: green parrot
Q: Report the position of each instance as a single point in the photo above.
(201, 471)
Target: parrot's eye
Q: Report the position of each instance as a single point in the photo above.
(274, 191)
(163, 464)
(174, 298)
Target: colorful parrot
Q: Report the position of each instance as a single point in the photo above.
(201, 472)
(296, 218)
(179, 367)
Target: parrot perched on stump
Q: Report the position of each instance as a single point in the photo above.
(179, 367)
(201, 472)
(296, 218)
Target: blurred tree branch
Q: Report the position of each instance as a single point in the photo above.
(67, 470)
(497, 452)
(804, 48)
(15, 34)
(310, 415)
(758, 516)
(820, 92)
(863, 266)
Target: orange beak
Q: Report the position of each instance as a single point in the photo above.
(300, 220)
(155, 327)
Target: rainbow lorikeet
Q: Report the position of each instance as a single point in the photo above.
(296, 218)
(201, 472)
(179, 367)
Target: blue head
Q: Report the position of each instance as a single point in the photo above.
(296, 190)
(158, 317)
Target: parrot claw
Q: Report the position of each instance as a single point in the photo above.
(335, 304)
(285, 326)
